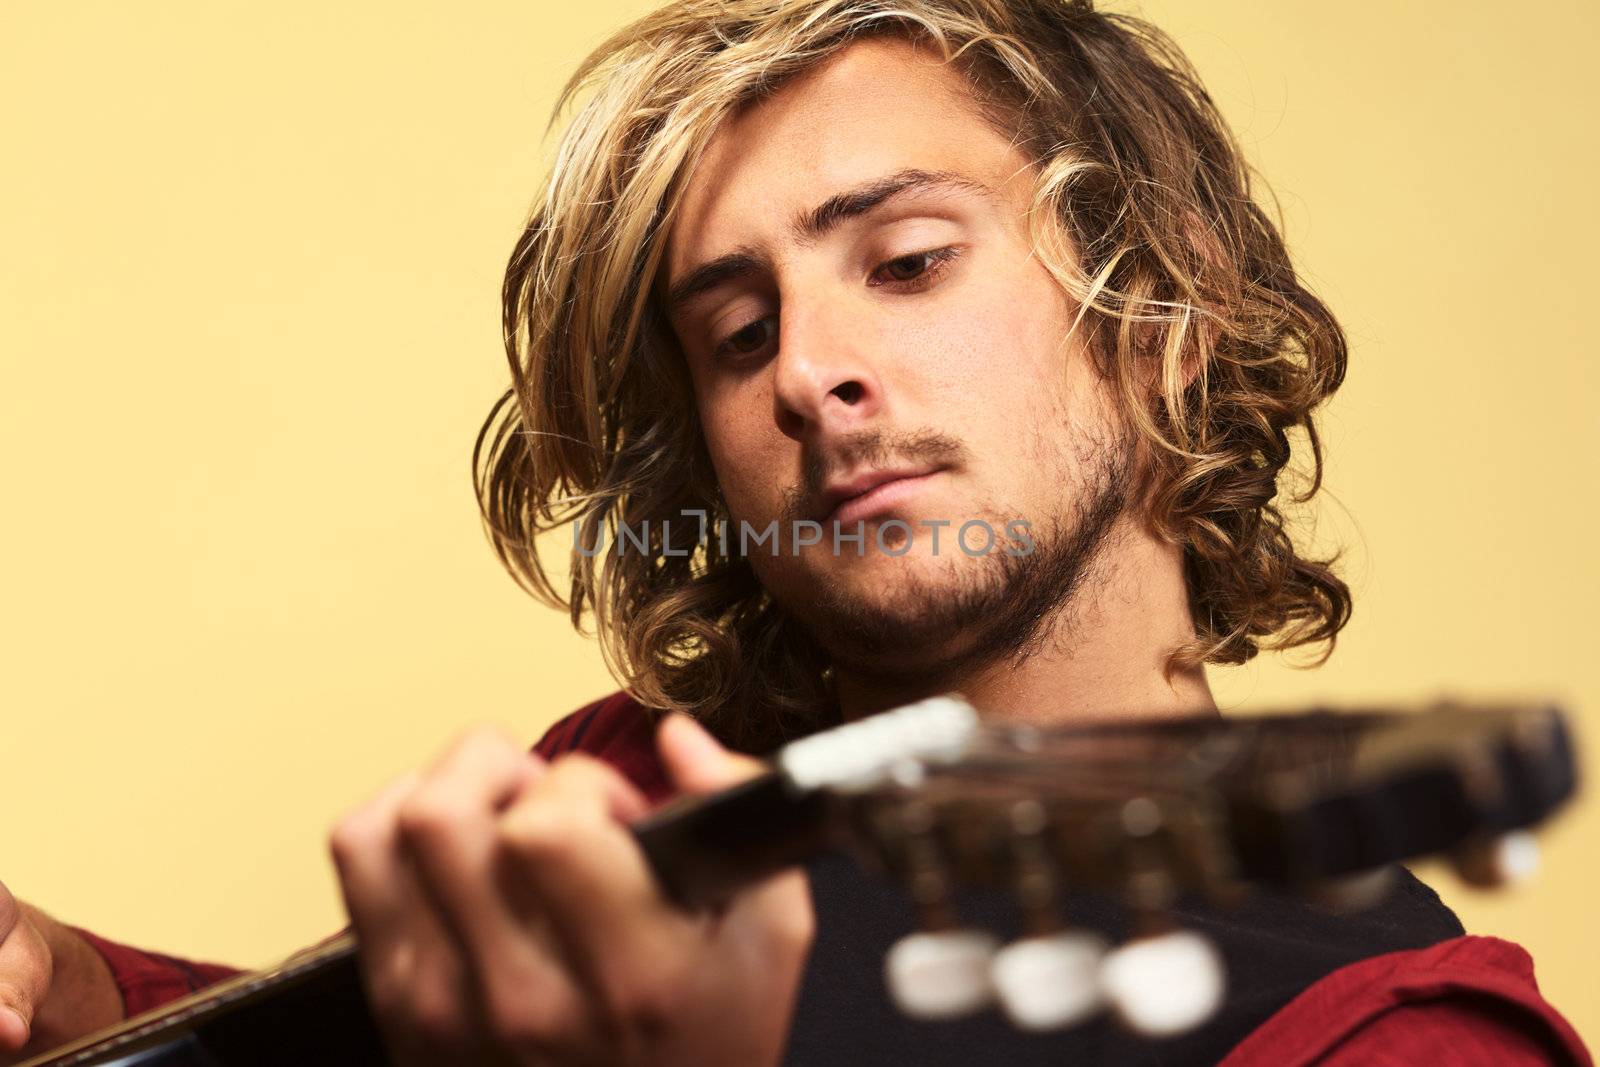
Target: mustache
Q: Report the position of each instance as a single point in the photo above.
(873, 448)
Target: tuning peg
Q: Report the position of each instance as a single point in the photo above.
(943, 971)
(941, 974)
(1050, 978)
(1507, 860)
(1052, 981)
(1164, 984)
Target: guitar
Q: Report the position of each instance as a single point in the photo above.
(1320, 802)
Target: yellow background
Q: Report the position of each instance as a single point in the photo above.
(249, 265)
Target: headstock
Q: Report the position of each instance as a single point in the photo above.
(1319, 803)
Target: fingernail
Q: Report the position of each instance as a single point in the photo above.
(20, 1026)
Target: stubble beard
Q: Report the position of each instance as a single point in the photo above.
(974, 611)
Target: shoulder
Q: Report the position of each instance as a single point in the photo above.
(615, 729)
(1473, 996)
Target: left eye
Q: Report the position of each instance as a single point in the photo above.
(913, 266)
(909, 273)
(749, 338)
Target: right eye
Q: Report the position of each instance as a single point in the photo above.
(749, 338)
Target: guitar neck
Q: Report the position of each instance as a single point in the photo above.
(701, 850)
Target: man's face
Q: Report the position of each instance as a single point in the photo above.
(907, 334)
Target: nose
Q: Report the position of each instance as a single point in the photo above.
(825, 382)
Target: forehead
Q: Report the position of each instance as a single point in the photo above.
(877, 107)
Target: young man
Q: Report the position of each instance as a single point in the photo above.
(985, 270)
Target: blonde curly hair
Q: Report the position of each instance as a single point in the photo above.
(1142, 210)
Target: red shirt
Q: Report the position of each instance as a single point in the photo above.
(1468, 1000)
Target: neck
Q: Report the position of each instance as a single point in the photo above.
(1103, 654)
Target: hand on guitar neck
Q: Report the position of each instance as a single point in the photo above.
(506, 914)
(53, 986)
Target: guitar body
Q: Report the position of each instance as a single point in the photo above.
(314, 1013)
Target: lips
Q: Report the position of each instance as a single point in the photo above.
(854, 498)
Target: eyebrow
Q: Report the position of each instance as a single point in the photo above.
(808, 227)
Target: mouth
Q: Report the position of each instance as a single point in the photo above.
(860, 497)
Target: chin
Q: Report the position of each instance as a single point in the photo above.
(917, 574)
(892, 614)
(922, 616)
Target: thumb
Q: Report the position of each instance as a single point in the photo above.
(695, 761)
(25, 971)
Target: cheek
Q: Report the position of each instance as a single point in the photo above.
(996, 358)
(744, 447)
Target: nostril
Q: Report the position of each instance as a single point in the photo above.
(849, 392)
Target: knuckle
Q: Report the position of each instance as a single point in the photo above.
(537, 831)
(354, 834)
(510, 1022)
(386, 1000)
(385, 996)
(432, 1012)
(387, 977)
(371, 826)
(579, 767)
(485, 738)
(475, 749)
(26, 976)
(428, 814)
(648, 994)
(15, 997)
(650, 1007)
(518, 1015)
